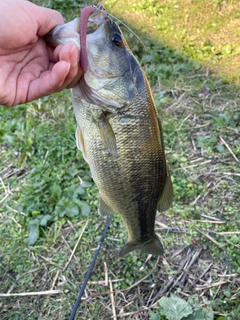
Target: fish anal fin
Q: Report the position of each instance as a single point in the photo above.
(80, 142)
(103, 208)
(153, 246)
(166, 198)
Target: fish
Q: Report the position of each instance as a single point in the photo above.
(118, 129)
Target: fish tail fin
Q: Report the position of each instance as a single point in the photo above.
(153, 246)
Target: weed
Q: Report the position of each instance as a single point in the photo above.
(47, 194)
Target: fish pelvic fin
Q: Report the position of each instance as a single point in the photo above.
(103, 208)
(166, 198)
(153, 246)
(106, 133)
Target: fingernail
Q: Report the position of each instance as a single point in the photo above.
(69, 66)
(73, 46)
(75, 63)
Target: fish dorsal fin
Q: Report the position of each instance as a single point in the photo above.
(106, 132)
(103, 208)
(80, 142)
(166, 199)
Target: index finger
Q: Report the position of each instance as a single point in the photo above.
(47, 18)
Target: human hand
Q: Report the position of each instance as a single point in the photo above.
(30, 68)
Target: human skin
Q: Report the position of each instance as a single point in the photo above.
(30, 68)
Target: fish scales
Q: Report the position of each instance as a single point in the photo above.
(131, 184)
(119, 132)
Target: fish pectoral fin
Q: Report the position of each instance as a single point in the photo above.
(166, 199)
(153, 246)
(103, 208)
(107, 135)
(80, 142)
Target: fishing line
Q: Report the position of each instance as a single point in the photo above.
(74, 310)
(101, 7)
(126, 26)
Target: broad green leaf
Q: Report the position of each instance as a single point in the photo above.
(33, 232)
(201, 314)
(79, 190)
(174, 308)
(66, 207)
(45, 220)
(72, 212)
(75, 190)
(220, 148)
(71, 209)
(153, 315)
(85, 209)
(83, 206)
(86, 184)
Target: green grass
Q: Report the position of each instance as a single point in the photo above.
(46, 191)
(205, 31)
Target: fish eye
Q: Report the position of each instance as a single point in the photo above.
(117, 40)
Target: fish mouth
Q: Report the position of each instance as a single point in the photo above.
(90, 20)
(96, 18)
(70, 31)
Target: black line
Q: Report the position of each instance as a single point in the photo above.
(90, 269)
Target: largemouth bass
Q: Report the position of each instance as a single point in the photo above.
(119, 131)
